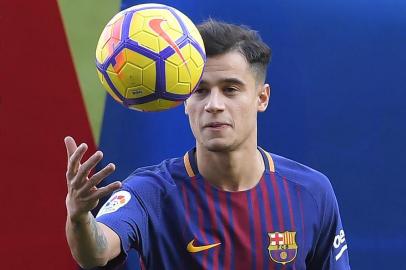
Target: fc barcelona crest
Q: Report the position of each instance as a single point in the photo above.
(282, 246)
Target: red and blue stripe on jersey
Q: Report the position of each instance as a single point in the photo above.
(172, 206)
(240, 221)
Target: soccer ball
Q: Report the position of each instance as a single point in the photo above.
(150, 57)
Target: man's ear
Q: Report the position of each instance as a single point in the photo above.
(263, 97)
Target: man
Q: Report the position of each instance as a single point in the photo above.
(227, 204)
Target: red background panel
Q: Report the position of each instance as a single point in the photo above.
(40, 103)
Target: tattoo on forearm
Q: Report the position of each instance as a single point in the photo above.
(101, 241)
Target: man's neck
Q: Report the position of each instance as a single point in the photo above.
(237, 170)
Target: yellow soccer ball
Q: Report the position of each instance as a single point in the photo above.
(150, 57)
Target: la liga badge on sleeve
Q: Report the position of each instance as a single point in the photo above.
(282, 246)
(116, 201)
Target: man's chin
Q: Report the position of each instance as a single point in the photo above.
(218, 146)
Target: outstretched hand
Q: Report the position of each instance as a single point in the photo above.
(83, 195)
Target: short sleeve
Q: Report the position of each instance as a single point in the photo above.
(125, 215)
(331, 250)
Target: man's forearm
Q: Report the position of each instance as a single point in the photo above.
(87, 242)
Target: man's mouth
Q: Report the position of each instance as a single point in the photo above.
(216, 125)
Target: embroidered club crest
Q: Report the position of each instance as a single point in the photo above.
(282, 246)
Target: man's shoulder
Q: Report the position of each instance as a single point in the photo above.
(160, 175)
(170, 165)
(304, 176)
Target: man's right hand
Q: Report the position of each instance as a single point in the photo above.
(83, 195)
(91, 243)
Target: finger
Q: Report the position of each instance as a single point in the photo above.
(102, 174)
(74, 160)
(87, 166)
(98, 177)
(103, 191)
(70, 145)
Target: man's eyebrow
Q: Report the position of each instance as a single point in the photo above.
(226, 80)
(234, 81)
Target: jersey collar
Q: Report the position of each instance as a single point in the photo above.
(190, 162)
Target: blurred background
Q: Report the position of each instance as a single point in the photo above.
(338, 77)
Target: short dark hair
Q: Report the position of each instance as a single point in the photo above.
(220, 37)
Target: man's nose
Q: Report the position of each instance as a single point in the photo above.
(215, 101)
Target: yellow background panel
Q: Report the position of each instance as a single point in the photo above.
(116, 18)
(84, 22)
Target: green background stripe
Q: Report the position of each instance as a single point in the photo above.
(84, 22)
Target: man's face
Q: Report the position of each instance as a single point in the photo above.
(223, 110)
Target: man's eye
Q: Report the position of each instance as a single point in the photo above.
(230, 90)
(199, 91)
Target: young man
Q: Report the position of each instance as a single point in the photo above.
(226, 204)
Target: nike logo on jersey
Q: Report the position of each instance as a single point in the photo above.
(193, 249)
